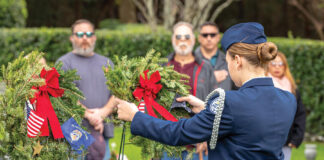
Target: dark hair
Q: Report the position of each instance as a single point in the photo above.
(80, 21)
(256, 54)
(208, 24)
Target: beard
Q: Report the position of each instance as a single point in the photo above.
(85, 52)
(178, 50)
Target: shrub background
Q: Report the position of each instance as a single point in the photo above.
(305, 57)
(13, 13)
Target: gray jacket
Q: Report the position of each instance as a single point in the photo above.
(220, 65)
(204, 80)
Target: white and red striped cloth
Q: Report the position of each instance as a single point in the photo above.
(34, 122)
(141, 106)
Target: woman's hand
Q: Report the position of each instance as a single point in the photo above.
(197, 104)
(202, 147)
(126, 111)
(291, 145)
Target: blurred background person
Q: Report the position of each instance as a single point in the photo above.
(98, 100)
(201, 73)
(279, 70)
(209, 38)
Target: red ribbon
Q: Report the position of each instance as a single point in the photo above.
(148, 90)
(44, 106)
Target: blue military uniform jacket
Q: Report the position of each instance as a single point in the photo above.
(254, 123)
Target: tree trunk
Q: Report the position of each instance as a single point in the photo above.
(127, 11)
(151, 12)
(170, 10)
(317, 24)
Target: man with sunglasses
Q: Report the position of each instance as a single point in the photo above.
(98, 101)
(208, 38)
(202, 80)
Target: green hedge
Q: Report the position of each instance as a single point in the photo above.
(305, 57)
(13, 13)
(55, 42)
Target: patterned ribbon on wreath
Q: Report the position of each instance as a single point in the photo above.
(148, 90)
(43, 104)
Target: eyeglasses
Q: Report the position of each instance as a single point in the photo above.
(80, 34)
(205, 35)
(186, 36)
(279, 64)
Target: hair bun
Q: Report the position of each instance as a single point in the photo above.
(267, 51)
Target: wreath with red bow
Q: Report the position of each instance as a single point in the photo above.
(25, 79)
(146, 80)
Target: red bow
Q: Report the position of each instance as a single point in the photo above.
(44, 106)
(148, 90)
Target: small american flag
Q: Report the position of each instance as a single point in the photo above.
(34, 121)
(141, 106)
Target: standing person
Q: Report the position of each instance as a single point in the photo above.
(98, 101)
(250, 123)
(185, 61)
(208, 38)
(279, 70)
(201, 75)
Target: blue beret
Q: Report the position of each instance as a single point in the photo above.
(251, 33)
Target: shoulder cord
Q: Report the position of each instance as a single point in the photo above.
(218, 114)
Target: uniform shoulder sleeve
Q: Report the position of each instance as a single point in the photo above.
(215, 103)
(198, 128)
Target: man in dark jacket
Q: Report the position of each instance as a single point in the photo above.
(209, 38)
(202, 80)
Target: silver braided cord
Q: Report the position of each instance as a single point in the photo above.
(216, 107)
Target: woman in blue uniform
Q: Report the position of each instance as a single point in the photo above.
(251, 123)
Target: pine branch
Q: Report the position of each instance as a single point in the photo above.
(124, 78)
(19, 76)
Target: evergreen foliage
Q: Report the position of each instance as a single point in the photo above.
(305, 57)
(13, 13)
(123, 80)
(19, 76)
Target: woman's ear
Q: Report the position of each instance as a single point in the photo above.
(238, 62)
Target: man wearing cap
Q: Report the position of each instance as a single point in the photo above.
(250, 123)
(208, 38)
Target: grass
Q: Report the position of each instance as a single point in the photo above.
(131, 151)
(134, 153)
(298, 154)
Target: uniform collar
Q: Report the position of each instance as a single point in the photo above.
(266, 81)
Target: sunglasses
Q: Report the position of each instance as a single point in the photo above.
(205, 35)
(279, 64)
(80, 34)
(178, 36)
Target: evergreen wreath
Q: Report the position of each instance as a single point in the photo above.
(123, 79)
(19, 77)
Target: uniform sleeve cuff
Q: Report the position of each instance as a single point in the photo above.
(135, 123)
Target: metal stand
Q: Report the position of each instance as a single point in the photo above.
(122, 143)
